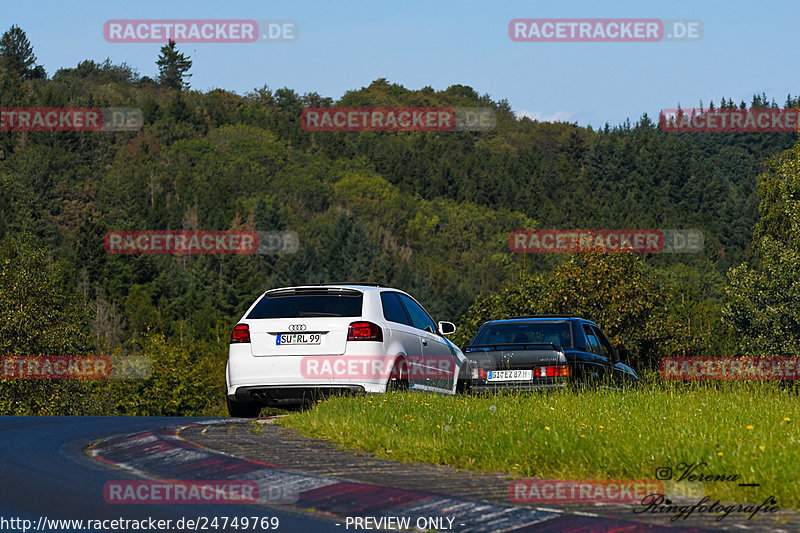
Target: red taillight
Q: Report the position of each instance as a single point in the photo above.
(241, 333)
(552, 371)
(478, 373)
(364, 331)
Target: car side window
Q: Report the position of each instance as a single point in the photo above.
(419, 318)
(608, 351)
(392, 309)
(591, 340)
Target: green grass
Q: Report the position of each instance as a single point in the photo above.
(744, 428)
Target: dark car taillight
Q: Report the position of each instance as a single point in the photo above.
(364, 331)
(551, 371)
(241, 333)
(478, 373)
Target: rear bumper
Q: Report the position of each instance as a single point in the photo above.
(479, 387)
(246, 372)
(276, 396)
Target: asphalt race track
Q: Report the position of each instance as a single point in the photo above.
(57, 468)
(46, 473)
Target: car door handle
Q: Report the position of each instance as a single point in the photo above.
(424, 342)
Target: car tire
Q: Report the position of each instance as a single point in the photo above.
(398, 381)
(243, 409)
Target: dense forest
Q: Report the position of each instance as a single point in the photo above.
(426, 212)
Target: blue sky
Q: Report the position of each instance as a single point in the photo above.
(345, 44)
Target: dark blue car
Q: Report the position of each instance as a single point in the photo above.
(545, 352)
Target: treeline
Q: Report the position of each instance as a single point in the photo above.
(429, 213)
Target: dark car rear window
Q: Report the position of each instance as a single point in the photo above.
(525, 333)
(393, 309)
(299, 304)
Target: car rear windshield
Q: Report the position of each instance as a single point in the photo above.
(299, 303)
(525, 333)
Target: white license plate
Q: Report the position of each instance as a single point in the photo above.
(298, 338)
(509, 375)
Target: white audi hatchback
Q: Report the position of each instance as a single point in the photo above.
(297, 344)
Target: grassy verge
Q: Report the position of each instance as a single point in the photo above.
(743, 429)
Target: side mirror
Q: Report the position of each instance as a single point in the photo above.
(446, 328)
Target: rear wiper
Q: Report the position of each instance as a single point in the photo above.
(305, 313)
